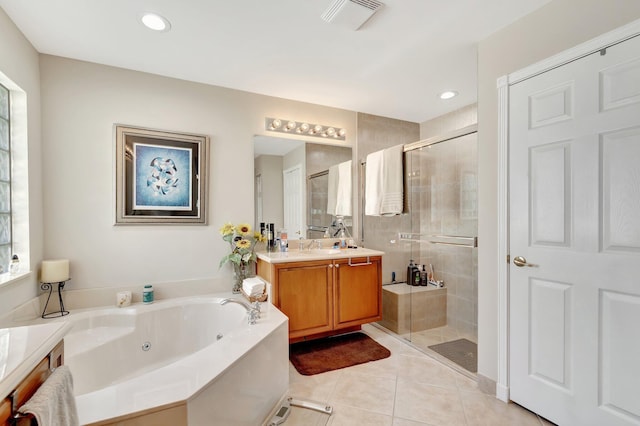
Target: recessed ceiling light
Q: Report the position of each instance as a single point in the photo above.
(155, 22)
(448, 94)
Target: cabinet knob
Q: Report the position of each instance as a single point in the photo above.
(331, 266)
(337, 266)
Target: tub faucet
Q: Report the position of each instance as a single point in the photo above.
(253, 311)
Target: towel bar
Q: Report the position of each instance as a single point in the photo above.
(28, 419)
(368, 262)
(449, 240)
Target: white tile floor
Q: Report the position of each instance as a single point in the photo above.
(407, 389)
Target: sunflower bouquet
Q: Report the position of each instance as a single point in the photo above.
(242, 240)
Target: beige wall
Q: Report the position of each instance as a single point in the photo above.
(555, 27)
(19, 64)
(80, 103)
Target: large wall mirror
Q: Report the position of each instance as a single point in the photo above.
(291, 184)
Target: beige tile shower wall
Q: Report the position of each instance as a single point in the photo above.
(376, 133)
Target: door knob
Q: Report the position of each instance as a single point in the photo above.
(521, 261)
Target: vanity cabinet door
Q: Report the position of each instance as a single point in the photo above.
(303, 291)
(5, 411)
(357, 291)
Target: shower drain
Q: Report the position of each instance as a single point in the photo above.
(146, 346)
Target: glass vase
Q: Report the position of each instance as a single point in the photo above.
(241, 271)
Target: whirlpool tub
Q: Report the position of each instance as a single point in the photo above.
(178, 361)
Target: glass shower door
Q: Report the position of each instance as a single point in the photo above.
(442, 189)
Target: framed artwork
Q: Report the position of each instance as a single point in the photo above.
(161, 177)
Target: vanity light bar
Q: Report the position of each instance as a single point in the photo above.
(304, 129)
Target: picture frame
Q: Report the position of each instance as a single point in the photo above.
(161, 177)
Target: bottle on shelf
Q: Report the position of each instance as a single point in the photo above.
(412, 272)
(284, 241)
(424, 276)
(14, 266)
(147, 294)
(343, 239)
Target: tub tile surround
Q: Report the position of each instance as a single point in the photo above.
(407, 389)
(85, 298)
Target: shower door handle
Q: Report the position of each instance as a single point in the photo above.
(520, 261)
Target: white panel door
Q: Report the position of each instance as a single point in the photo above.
(574, 215)
(293, 201)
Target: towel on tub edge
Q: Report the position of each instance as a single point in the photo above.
(253, 286)
(53, 404)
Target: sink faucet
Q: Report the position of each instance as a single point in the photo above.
(252, 310)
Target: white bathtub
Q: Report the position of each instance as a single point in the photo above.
(126, 360)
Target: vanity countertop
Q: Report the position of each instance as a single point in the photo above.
(295, 255)
(22, 348)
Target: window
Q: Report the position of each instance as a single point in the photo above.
(5, 181)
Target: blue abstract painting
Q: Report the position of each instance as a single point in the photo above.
(162, 177)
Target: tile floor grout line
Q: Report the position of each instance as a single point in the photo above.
(471, 399)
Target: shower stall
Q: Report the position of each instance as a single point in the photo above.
(438, 232)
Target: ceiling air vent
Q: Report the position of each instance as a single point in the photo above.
(351, 14)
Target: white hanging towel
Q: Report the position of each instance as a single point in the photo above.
(373, 184)
(343, 199)
(392, 182)
(332, 190)
(53, 404)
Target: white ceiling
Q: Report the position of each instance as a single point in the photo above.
(394, 65)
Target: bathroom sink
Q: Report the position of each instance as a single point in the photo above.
(326, 251)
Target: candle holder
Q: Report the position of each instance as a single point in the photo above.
(49, 286)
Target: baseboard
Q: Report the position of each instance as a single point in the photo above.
(486, 385)
(502, 393)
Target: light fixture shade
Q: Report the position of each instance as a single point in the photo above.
(304, 128)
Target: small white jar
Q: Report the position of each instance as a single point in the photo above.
(147, 294)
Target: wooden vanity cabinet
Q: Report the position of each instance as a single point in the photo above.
(357, 291)
(304, 292)
(324, 297)
(5, 412)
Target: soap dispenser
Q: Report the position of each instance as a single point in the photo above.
(410, 272)
(424, 280)
(343, 239)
